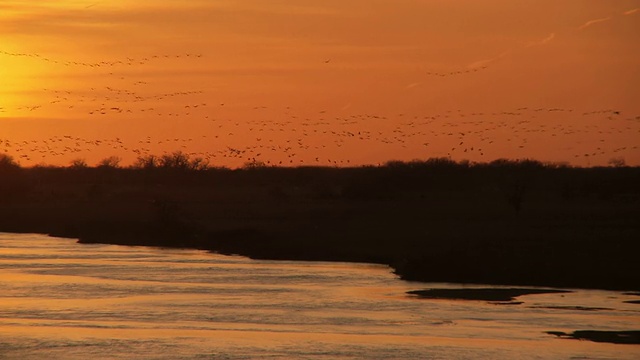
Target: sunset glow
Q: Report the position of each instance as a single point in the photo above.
(303, 82)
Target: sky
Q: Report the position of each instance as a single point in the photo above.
(331, 83)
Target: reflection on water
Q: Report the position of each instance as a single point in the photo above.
(62, 300)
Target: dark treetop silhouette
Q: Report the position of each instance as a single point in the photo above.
(505, 222)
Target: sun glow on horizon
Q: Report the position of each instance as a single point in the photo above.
(13, 73)
(322, 84)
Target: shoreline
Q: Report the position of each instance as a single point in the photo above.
(505, 294)
(254, 244)
(226, 246)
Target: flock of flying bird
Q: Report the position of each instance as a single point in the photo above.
(128, 61)
(299, 140)
(291, 137)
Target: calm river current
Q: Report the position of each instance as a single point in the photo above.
(63, 300)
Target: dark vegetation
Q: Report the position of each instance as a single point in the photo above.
(576, 308)
(614, 337)
(485, 294)
(504, 222)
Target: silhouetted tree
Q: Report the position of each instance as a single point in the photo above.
(176, 160)
(181, 161)
(110, 162)
(7, 163)
(617, 162)
(146, 162)
(440, 162)
(199, 164)
(78, 164)
(254, 164)
(11, 178)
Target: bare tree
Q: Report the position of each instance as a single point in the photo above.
(254, 164)
(617, 162)
(110, 162)
(147, 162)
(181, 161)
(78, 163)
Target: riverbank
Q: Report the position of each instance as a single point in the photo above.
(509, 223)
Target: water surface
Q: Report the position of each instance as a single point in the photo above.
(63, 300)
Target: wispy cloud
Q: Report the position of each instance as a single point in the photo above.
(486, 62)
(593, 22)
(629, 12)
(543, 41)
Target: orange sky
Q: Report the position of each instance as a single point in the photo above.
(332, 82)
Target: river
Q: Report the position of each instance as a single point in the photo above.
(63, 300)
